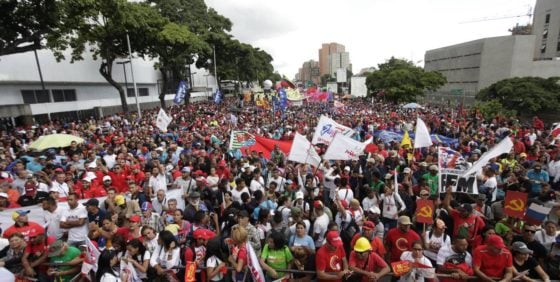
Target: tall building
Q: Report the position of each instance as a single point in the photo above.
(546, 28)
(339, 60)
(324, 56)
(471, 66)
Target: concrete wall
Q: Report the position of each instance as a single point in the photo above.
(552, 28)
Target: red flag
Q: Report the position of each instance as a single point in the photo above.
(266, 146)
(424, 211)
(400, 267)
(515, 204)
(190, 271)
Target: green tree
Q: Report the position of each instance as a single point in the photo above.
(402, 81)
(327, 78)
(101, 28)
(493, 108)
(25, 24)
(527, 95)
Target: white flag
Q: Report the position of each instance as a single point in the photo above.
(326, 130)
(303, 152)
(90, 258)
(163, 120)
(345, 148)
(503, 147)
(422, 135)
(254, 265)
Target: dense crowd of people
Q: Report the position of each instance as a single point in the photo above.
(341, 221)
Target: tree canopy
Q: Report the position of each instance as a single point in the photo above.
(177, 33)
(402, 81)
(528, 95)
(25, 24)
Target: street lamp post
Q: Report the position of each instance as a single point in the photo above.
(132, 74)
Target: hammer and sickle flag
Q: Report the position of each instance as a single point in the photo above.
(425, 211)
(515, 204)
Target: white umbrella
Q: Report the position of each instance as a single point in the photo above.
(412, 106)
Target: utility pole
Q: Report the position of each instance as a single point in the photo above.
(132, 74)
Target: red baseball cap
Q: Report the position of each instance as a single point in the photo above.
(202, 233)
(334, 239)
(134, 218)
(495, 241)
(368, 225)
(35, 231)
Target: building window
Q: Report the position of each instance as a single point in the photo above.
(545, 34)
(141, 92)
(35, 96)
(558, 47)
(547, 19)
(64, 95)
(543, 48)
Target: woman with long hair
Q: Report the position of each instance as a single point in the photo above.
(275, 256)
(238, 252)
(105, 267)
(137, 255)
(166, 255)
(216, 267)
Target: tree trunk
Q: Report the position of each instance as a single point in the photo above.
(106, 70)
(164, 90)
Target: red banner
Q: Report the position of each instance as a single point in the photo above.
(400, 267)
(190, 271)
(425, 211)
(266, 146)
(515, 204)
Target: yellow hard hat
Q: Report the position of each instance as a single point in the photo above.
(362, 245)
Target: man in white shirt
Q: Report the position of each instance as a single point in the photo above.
(240, 188)
(60, 185)
(75, 220)
(52, 216)
(257, 183)
(450, 260)
(554, 171)
(321, 224)
(279, 180)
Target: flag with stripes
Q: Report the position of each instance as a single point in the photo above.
(536, 214)
(449, 158)
(240, 139)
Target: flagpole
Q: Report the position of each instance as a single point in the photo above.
(439, 172)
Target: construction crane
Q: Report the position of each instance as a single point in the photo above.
(528, 14)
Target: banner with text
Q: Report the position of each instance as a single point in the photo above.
(454, 177)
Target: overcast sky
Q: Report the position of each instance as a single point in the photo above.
(372, 30)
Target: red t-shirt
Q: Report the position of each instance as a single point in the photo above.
(474, 224)
(376, 244)
(127, 234)
(328, 261)
(24, 230)
(492, 266)
(374, 263)
(39, 249)
(400, 242)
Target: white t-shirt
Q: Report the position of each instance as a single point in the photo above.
(307, 226)
(139, 259)
(417, 274)
(548, 240)
(492, 184)
(52, 222)
(158, 182)
(320, 226)
(236, 195)
(214, 261)
(107, 277)
(343, 220)
(367, 203)
(445, 254)
(441, 241)
(62, 188)
(213, 180)
(257, 184)
(345, 194)
(78, 233)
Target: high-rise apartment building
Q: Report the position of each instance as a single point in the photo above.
(546, 28)
(324, 56)
(309, 72)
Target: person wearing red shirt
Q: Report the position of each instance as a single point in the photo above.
(331, 260)
(222, 171)
(138, 175)
(366, 263)
(368, 231)
(465, 222)
(22, 225)
(493, 260)
(5, 204)
(36, 253)
(400, 238)
(133, 230)
(118, 177)
(538, 124)
(88, 189)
